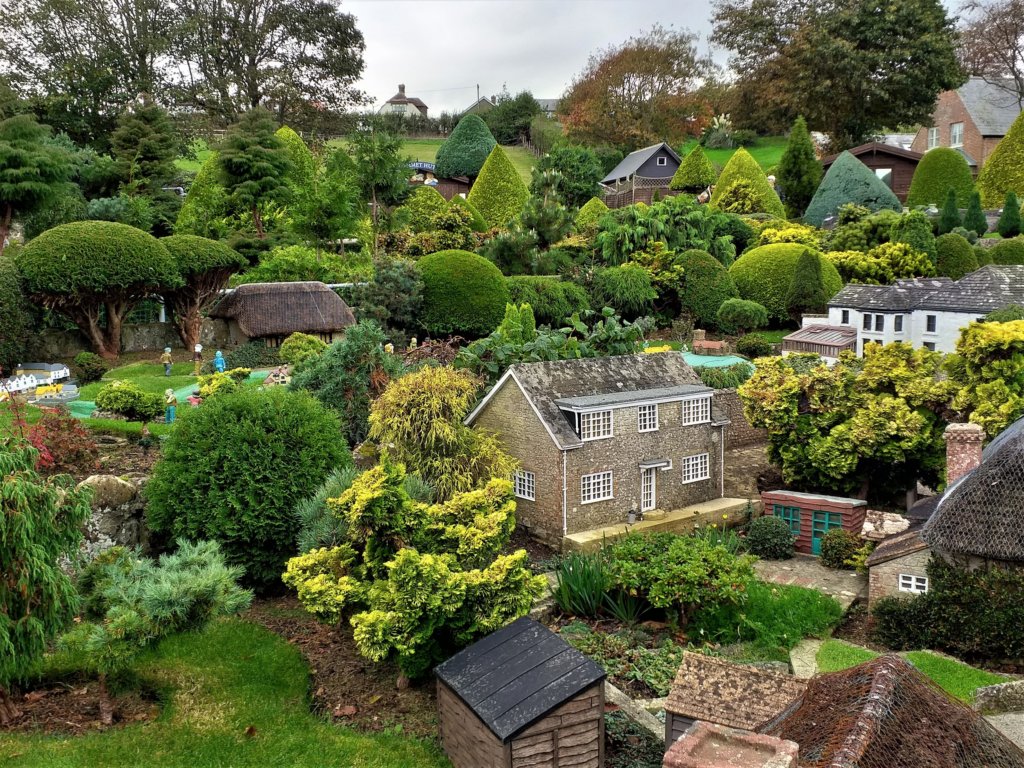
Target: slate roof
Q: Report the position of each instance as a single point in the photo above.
(840, 336)
(545, 383)
(899, 545)
(875, 148)
(632, 162)
(734, 695)
(280, 309)
(885, 714)
(513, 677)
(986, 289)
(632, 396)
(922, 509)
(982, 514)
(993, 109)
(548, 105)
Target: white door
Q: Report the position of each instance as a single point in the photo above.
(648, 490)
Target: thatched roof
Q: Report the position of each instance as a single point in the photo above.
(280, 309)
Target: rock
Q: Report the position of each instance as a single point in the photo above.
(118, 514)
(109, 491)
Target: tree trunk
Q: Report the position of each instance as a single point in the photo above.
(115, 319)
(5, 226)
(258, 221)
(8, 711)
(106, 705)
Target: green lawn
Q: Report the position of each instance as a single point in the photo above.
(956, 678)
(148, 376)
(774, 336)
(767, 151)
(233, 695)
(202, 153)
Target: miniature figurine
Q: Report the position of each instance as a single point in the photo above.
(197, 359)
(165, 358)
(170, 406)
(219, 364)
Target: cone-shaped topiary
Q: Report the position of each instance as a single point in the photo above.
(499, 192)
(949, 218)
(975, 219)
(476, 220)
(465, 151)
(591, 213)
(462, 293)
(849, 181)
(940, 170)
(756, 189)
(1009, 220)
(807, 293)
(956, 256)
(1003, 171)
(764, 274)
(695, 173)
(799, 170)
(300, 175)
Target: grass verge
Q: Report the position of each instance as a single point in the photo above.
(767, 151)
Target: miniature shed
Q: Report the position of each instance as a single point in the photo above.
(811, 515)
(521, 697)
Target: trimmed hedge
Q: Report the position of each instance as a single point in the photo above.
(499, 192)
(300, 175)
(740, 315)
(849, 181)
(421, 206)
(466, 150)
(15, 316)
(588, 216)
(234, 469)
(553, 300)
(196, 255)
(477, 222)
(706, 285)
(462, 294)
(940, 170)
(757, 192)
(695, 174)
(956, 256)
(1003, 171)
(1008, 251)
(764, 274)
(753, 345)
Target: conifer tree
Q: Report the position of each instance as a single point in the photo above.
(799, 171)
(1003, 170)
(695, 174)
(1009, 220)
(975, 218)
(144, 146)
(949, 218)
(499, 192)
(807, 294)
(465, 151)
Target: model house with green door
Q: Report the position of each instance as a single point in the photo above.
(810, 515)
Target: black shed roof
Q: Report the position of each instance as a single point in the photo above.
(515, 676)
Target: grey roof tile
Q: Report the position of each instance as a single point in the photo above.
(632, 162)
(991, 287)
(992, 108)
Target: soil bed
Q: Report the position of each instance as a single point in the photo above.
(71, 708)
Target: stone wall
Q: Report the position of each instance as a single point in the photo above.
(142, 337)
(118, 514)
(884, 578)
(739, 432)
(1005, 697)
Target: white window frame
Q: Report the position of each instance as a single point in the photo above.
(662, 161)
(933, 137)
(696, 410)
(897, 324)
(648, 479)
(647, 418)
(596, 425)
(915, 585)
(597, 483)
(952, 135)
(866, 321)
(525, 485)
(696, 468)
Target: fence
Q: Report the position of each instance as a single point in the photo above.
(638, 189)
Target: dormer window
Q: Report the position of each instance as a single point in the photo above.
(595, 425)
(697, 410)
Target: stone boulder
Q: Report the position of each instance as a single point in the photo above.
(118, 514)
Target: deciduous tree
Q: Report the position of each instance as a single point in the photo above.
(992, 44)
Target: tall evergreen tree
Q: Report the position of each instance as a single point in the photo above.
(807, 294)
(799, 171)
(949, 218)
(329, 207)
(975, 218)
(1009, 219)
(382, 171)
(465, 151)
(254, 164)
(144, 147)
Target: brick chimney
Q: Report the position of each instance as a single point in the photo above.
(963, 450)
(705, 745)
(401, 90)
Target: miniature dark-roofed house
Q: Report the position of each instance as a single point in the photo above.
(521, 697)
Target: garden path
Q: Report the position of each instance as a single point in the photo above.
(807, 571)
(1011, 725)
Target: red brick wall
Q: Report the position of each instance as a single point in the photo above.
(963, 450)
(852, 514)
(950, 109)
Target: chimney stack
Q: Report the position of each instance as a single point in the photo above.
(401, 89)
(706, 745)
(963, 450)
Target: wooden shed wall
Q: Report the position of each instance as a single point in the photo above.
(571, 736)
(467, 741)
(853, 516)
(675, 727)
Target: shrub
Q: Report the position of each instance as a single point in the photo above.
(799, 170)
(975, 219)
(727, 377)
(499, 192)
(940, 170)
(300, 347)
(465, 150)
(297, 263)
(789, 232)
(882, 265)
(806, 293)
(740, 316)
(764, 274)
(477, 223)
(838, 546)
(1003, 170)
(1009, 220)
(205, 208)
(64, 445)
(128, 400)
(757, 194)
(580, 170)
(462, 293)
(900, 623)
(580, 584)
(956, 256)
(705, 286)
(915, 229)
(553, 299)
(966, 234)
(982, 254)
(393, 298)
(318, 525)
(252, 355)
(849, 181)
(753, 345)
(1007, 314)
(303, 165)
(89, 367)
(737, 228)
(770, 538)
(234, 469)
(588, 216)
(1008, 251)
(421, 205)
(15, 316)
(949, 216)
(627, 289)
(861, 230)
(695, 173)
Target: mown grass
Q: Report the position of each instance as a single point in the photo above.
(233, 695)
(956, 678)
(767, 151)
(202, 152)
(148, 376)
(774, 336)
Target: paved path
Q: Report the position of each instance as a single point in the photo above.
(804, 658)
(807, 571)
(1011, 725)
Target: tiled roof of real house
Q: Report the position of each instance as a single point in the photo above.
(992, 287)
(992, 108)
(734, 695)
(631, 163)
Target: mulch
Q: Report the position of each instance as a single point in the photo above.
(346, 687)
(73, 708)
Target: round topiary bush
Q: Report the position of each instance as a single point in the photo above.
(234, 469)
(753, 345)
(740, 315)
(955, 256)
(705, 286)
(462, 293)
(770, 538)
(130, 401)
(588, 216)
(421, 206)
(300, 347)
(764, 274)
(982, 254)
(838, 546)
(1008, 252)
(89, 367)
(940, 170)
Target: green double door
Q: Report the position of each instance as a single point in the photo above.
(822, 523)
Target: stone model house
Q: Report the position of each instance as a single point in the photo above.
(400, 104)
(272, 312)
(599, 438)
(973, 118)
(925, 312)
(893, 165)
(640, 174)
